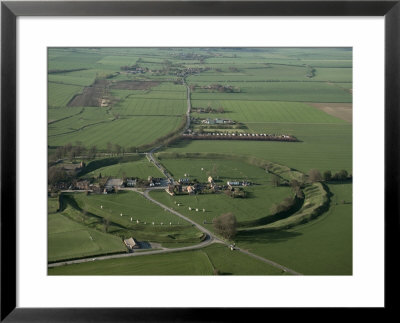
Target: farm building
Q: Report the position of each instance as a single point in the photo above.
(82, 185)
(217, 121)
(190, 189)
(113, 182)
(183, 180)
(130, 182)
(210, 179)
(131, 243)
(233, 183)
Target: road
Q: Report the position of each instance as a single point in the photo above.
(189, 106)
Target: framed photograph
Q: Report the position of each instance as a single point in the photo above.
(161, 159)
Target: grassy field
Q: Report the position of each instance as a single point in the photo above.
(278, 91)
(60, 94)
(68, 239)
(266, 111)
(127, 132)
(320, 247)
(141, 168)
(322, 147)
(199, 262)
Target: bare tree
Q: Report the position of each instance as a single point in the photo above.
(327, 175)
(92, 152)
(314, 175)
(226, 225)
(275, 180)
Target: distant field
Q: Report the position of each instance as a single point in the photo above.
(278, 91)
(55, 114)
(138, 106)
(60, 94)
(132, 131)
(199, 262)
(265, 111)
(324, 147)
(320, 247)
(81, 78)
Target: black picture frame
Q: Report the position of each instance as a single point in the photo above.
(10, 10)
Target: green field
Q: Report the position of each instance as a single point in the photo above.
(320, 247)
(68, 239)
(200, 262)
(141, 168)
(267, 111)
(127, 132)
(322, 147)
(278, 91)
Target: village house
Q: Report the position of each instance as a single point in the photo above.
(82, 185)
(131, 244)
(183, 180)
(130, 182)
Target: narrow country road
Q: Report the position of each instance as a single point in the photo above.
(189, 107)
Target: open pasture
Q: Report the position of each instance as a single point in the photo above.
(81, 78)
(323, 147)
(58, 114)
(127, 132)
(198, 262)
(320, 247)
(133, 106)
(68, 239)
(60, 94)
(266, 111)
(141, 168)
(62, 59)
(221, 170)
(278, 91)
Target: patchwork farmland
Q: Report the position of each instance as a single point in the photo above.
(266, 191)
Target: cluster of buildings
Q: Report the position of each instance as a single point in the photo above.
(186, 186)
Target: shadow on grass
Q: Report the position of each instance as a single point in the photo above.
(265, 236)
